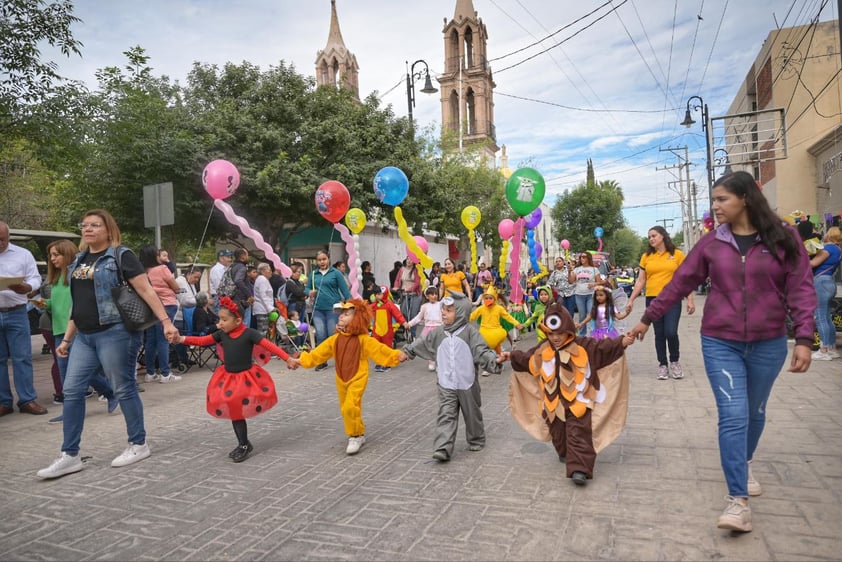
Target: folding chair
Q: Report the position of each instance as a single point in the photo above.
(200, 354)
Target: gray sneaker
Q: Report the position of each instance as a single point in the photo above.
(754, 488)
(65, 464)
(736, 517)
(675, 370)
(663, 373)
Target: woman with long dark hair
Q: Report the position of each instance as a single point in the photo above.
(759, 271)
(657, 267)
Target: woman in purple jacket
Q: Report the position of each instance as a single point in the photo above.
(758, 269)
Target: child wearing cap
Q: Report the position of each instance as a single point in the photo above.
(430, 314)
(572, 390)
(385, 312)
(457, 348)
(352, 347)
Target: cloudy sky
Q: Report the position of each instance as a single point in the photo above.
(607, 80)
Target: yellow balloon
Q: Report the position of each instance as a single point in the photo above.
(471, 217)
(355, 220)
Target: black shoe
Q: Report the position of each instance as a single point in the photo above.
(241, 453)
(58, 399)
(321, 367)
(579, 478)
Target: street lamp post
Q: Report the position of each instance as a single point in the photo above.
(688, 122)
(411, 76)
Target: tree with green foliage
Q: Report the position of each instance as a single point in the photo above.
(624, 247)
(25, 79)
(578, 212)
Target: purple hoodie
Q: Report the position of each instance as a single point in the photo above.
(749, 297)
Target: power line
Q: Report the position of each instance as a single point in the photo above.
(600, 18)
(592, 110)
(551, 34)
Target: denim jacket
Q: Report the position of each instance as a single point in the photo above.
(105, 278)
(750, 296)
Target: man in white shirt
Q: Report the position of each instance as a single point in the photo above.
(264, 299)
(224, 259)
(15, 339)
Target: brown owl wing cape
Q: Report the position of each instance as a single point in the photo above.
(608, 418)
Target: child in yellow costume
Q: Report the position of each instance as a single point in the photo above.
(490, 312)
(352, 347)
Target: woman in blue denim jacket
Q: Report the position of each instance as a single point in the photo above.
(759, 271)
(101, 340)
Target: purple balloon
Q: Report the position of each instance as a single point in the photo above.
(534, 218)
(303, 327)
(539, 249)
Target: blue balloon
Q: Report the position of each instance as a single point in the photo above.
(598, 232)
(391, 185)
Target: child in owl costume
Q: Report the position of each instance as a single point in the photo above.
(572, 390)
(457, 348)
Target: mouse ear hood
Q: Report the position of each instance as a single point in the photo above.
(463, 309)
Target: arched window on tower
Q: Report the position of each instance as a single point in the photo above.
(324, 74)
(453, 122)
(337, 74)
(469, 48)
(453, 52)
(471, 117)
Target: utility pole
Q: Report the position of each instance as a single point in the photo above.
(688, 213)
(664, 223)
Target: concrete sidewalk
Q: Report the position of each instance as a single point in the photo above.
(656, 495)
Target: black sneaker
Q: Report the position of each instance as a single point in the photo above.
(579, 478)
(241, 453)
(321, 367)
(58, 399)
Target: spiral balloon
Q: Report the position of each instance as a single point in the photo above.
(411, 244)
(254, 235)
(503, 253)
(473, 237)
(352, 256)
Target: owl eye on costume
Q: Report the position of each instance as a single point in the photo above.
(552, 322)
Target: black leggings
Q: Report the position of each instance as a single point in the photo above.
(241, 430)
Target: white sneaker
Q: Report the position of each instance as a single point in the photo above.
(736, 517)
(354, 444)
(832, 353)
(131, 455)
(65, 464)
(152, 378)
(170, 378)
(821, 356)
(431, 365)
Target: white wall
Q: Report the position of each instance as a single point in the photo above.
(383, 249)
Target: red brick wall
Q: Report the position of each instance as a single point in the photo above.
(764, 85)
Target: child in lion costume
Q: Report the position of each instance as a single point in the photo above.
(352, 347)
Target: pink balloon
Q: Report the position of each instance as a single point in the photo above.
(506, 228)
(422, 243)
(220, 179)
(565, 244)
(254, 235)
(353, 257)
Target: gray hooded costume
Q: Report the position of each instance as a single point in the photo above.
(458, 350)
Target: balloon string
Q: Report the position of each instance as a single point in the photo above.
(202, 240)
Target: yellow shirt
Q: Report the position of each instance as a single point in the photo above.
(660, 268)
(453, 281)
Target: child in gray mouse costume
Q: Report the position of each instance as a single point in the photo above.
(459, 352)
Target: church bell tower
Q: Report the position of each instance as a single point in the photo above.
(467, 87)
(335, 65)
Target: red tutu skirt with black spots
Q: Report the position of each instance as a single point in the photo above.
(237, 396)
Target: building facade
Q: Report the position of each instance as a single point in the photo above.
(797, 71)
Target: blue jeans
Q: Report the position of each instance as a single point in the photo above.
(157, 346)
(325, 323)
(584, 304)
(741, 375)
(113, 350)
(15, 343)
(666, 332)
(570, 304)
(409, 308)
(98, 382)
(825, 292)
